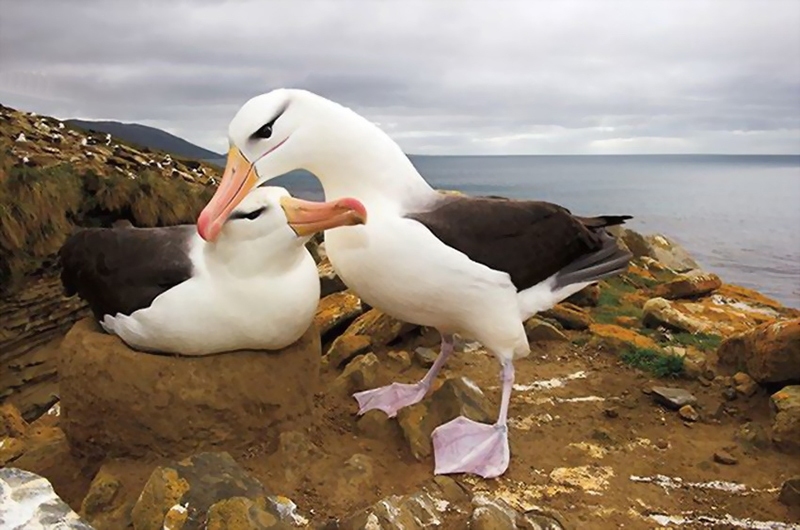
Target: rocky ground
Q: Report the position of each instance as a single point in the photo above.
(660, 399)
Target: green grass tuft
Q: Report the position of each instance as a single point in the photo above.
(701, 341)
(655, 362)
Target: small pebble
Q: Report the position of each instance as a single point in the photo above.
(729, 393)
(610, 412)
(724, 457)
(688, 413)
(661, 444)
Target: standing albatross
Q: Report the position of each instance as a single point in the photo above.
(475, 266)
(165, 290)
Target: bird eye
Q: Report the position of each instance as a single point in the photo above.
(265, 131)
(248, 215)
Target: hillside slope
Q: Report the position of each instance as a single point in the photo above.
(146, 136)
(53, 179)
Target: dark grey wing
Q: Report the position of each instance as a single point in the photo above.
(120, 270)
(529, 240)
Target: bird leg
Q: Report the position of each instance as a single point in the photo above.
(466, 446)
(392, 398)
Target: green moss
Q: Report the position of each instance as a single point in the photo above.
(655, 362)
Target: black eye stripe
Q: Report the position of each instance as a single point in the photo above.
(265, 131)
(248, 215)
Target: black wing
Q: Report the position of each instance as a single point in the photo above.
(529, 240)
(120, 270)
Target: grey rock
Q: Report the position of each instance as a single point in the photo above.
(425, 357)
(790, 492)
(674, 398)
(27, 501)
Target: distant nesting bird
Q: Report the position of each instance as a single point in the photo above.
(167, 290)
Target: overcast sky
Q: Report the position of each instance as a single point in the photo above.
(441, 76)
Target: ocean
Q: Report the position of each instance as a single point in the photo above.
(737, 215)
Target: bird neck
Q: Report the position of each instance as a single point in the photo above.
(244, 259)
(355, 158)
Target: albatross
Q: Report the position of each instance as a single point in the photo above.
(476, 266)
(166, 290)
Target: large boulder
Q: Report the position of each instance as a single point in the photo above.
(661, 312)
(770, 353)
(119, 402)
(209, 491)
(28, 501)
(692, 284)
(785, 407)
(660, 248)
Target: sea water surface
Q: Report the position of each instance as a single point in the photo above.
(738, 215)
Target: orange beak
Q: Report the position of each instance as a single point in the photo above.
(237, 181)
(307, 218)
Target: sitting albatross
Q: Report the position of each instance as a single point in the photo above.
(475, 266)
(165, 290)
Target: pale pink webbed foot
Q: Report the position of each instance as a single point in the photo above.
(466, 446)
(390, 398)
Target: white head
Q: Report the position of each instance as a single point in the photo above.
(288, 129)
(272, 222)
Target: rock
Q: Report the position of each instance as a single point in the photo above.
(660, 312)
(610, 412)
(539, 521)
(345, 347)
(356, 472)
(744, 384)
(103, 506)
(490, 517)
(674, 398)
(660, 248)
(568, 315)
(400, 358)
(785, 406)
(425, 357)
(456, 397)
(377, 425)
(790, 492)
(198, 485)
(329, 281)
(769, 353)
(427, 508)
(539, 330)
(752, 436)
(45, 448)
(335, 310)
(381, 328)
(241, 513)
(729, 394)
(295, 446)
(10, 450)
(11, 422)
(586, 297)
(724, 457)
(120, 402)
(28, 501)
(621, 338)
(688, 413)
(360, 374)
(693, 284)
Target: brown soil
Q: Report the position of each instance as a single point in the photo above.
(638, 438)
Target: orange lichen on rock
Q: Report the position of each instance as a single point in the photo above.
(620, 337)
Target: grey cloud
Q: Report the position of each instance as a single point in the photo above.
(441, 77)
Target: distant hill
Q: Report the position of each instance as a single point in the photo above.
(150, 137)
